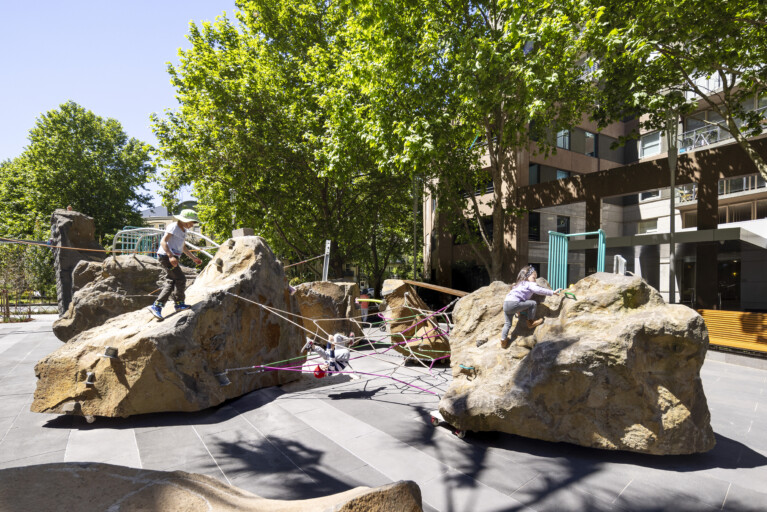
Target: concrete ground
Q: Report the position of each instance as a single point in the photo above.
(324, 436)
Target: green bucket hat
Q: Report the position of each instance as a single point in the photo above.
(187, 216)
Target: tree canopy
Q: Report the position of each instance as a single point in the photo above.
(75, 158)
(459, 88)
(270, 141)
(687, 55)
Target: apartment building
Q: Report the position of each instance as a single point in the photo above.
(630, 202)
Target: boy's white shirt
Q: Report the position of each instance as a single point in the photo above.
(176, 242)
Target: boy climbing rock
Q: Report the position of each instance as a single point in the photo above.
(171, 248)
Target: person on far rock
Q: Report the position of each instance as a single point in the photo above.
(172, 246)
(364, 304)
(335, 358)
(518, 300)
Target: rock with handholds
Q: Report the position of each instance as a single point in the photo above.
(613, 368)
(413, 327)
(111, 288)
(93, 486)
(328, 308)
(181, 363)
(78, 232)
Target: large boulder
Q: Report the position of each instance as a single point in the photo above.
(616, 369)
(104, 290)
(76, 230)
(181, 363)
(413, 327)
(329, 308)
(90, 486)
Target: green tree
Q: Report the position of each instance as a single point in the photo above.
(683, 54)
(458, 82)
(268, 141)
(77, 158)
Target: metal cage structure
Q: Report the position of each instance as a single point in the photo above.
(558, 248)
(135, 240)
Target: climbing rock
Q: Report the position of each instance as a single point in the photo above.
(71, 229)
(172, 365)
(107, 289)
(329, 308)
(410, 323)
(90, 486)
(616, 369)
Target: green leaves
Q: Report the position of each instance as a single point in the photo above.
(273, 133)
(76, 158)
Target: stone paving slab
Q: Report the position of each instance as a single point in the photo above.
(89, 446)
(317, 437)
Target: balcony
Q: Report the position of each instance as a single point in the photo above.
(689, 193)
(707, 135)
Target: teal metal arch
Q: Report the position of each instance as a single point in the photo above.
(558, 244)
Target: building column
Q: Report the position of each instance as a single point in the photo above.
(593, 223)
(706, 253)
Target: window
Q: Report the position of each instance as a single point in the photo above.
(740, 212)
(487, 223)
(590, 148)
(161, 226)
(563, 224)
(652, 194)
(562, 175)
(649, 145)
(535, 173)
(647, 226)
(761, 209)
(534, 227)
(433, 204)
(690, 220)
(563, 139)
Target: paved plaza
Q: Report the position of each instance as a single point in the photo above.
(322, 436)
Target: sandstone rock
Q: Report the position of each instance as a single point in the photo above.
(118, 285)
(71, 229)
(172, 365)
(617, 369)
(84, 273)
(90, 486)
(410, 322)
(329, 308)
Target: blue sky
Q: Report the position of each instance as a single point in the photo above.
(110, 57)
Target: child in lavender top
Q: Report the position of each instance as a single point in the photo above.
(518, 300)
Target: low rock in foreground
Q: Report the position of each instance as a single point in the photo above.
(177, 364)
(90, 486)
(616, 369)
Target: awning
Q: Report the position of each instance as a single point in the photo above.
(680, 237)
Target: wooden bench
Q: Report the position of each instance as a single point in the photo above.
(736, 329)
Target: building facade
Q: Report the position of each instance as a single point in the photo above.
(720, 213)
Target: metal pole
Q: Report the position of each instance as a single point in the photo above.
(601, 252)
(326, 264)
(672, 129)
